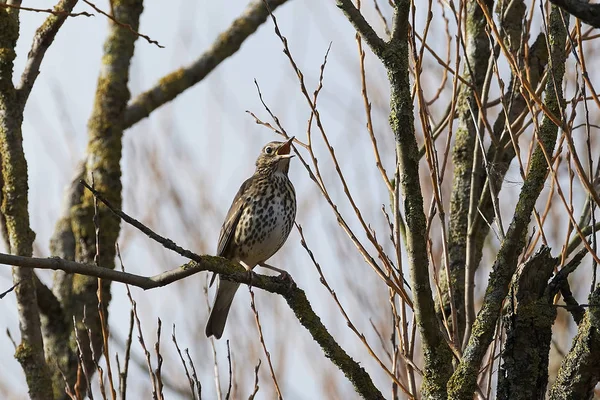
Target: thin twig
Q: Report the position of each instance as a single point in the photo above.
(123, 25)
(124, 374)
(187, 373)
(43, 38)
(351, 325)
(82, 371)
(256, 387)
(194, 375)
(143, 344)
(262, 342)
(58, 13)
(9, 290)
(390, 279)
(159, 358)
(230, 372)
(101, 305)
(11, 338)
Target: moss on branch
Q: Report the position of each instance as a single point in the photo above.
(463, 383)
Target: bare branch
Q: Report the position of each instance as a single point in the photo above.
(264, 347)
(463, 383)
(15, 214)
(175, 83)
(44, 36)
(187, 372)
(580, 369)
(588, 13)
(256, 387)
(295, 297)
(437, 355)
(47, 10)
(103, 159)
(123, 25)
(207, 263)
(377, 44)
(8, 290)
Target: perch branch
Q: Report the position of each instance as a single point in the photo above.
(294, 296)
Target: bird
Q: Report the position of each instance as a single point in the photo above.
(257, 224)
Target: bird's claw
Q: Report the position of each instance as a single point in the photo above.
(251, 275)
(286, 277)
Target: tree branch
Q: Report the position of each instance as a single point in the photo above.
(529, 316)
(124, 24)
(394, 56)
(229, 270)
(46, 10)
(295, 297)
(377, 44)
(499, 156)
(580, 370)
(436, 353)
(467, 173)
(43, 38)
(175, 83)
(588, 13)
(463, 383)
(103, 159)
(14, 209)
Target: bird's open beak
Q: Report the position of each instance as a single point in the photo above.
(286, 147)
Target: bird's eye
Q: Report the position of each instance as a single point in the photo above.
(268, 150)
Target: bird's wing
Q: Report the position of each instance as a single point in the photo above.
(231, 220)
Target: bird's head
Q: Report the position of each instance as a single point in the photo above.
(275, 157)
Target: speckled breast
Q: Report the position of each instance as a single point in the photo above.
(267, 219)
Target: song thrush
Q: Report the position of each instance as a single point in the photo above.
(257, 224)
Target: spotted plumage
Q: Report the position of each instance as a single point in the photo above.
(257, 224)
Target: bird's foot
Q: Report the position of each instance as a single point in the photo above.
(285, 277)
(251, 275)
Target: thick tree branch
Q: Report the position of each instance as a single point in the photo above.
(295, 297)
(467, 173)
(437, 355)
(588, 13)
(580, 370)
(103, 160)
(394, 56)
(528, 320)
(62, 242)
(56, 329)
(42, 40)
(377, 44)
(175, 83)
(56, 323)
(231, 270)
(463, 383)
(14, 209)
(499, 156)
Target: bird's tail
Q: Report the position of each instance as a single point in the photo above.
(218, 316)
